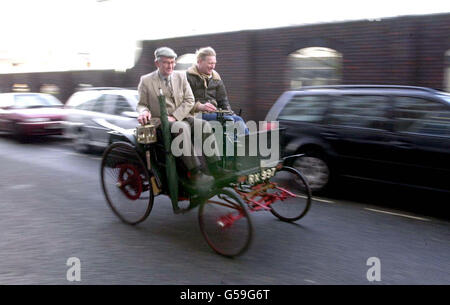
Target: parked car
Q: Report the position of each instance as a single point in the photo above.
(391, 134)
(31, 114)
(95, 112)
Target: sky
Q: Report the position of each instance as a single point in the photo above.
(60, 33)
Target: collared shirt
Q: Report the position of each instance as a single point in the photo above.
(166, 86)
(162, 77)
(166, 81)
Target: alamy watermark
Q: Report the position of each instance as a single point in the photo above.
(374, 272)
(262, 140)
(73, 274)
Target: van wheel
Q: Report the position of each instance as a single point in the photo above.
(315, 169)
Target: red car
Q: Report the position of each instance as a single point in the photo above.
(31, 114)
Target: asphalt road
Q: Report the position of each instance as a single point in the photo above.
(53, 209)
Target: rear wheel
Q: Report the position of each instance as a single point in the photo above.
(225, 223)
(125, 183)
(292, 194)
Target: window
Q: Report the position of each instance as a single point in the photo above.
(108, 102)
(86, 106)
(360, 111)
(185, 61)
(5, 101)
(315, 66)
(418, 115)
(305, 109)
(98, 105)
(51, 100)
(35, 100)
(121, 106)
(50, 89)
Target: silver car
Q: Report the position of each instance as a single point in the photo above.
(93, 113)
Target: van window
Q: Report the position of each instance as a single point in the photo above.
(305, 109)
(360, 111)
(419, 115)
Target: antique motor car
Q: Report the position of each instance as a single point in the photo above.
(138, 166)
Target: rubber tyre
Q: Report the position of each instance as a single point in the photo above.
(292, 208)
(225, 237)
(316, 170)
(130, 200)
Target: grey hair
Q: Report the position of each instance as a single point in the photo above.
(204, 52)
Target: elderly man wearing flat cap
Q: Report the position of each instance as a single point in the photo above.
(179, 102)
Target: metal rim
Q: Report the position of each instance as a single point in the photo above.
(292, 192)
(125, 183)
(225, 223)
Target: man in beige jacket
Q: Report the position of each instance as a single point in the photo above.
(176, 89)
(179, 103)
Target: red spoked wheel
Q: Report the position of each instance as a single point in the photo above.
(125, 183)
(129, 181)
(225, 223)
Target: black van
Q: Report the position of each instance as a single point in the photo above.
(392, 134)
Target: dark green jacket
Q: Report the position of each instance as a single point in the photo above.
(213, 91)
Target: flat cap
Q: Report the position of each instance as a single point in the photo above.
(166, 52)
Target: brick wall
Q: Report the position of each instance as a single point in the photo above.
(67, 82)
(405, 50)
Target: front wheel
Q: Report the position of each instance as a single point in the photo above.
(291, 194)
(316, 170)
(225, 223)
(125, 183)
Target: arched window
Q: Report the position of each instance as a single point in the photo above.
(315, 66)
(49, 89)
(21, 88)
(185, 61)
(447, 71)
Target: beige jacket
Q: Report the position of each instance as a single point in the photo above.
(179, 105)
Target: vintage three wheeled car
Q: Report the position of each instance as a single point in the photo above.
(139, 167)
